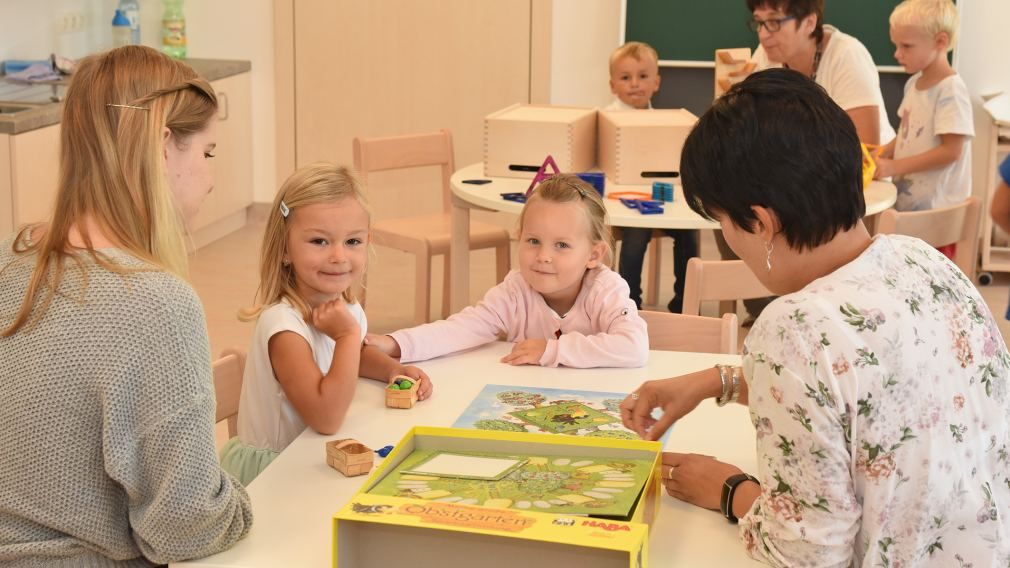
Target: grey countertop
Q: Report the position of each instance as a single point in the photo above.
(48, 114)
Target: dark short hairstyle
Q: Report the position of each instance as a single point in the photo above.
(798, 8)
(776, 140)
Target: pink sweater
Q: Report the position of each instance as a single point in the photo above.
(603, 328)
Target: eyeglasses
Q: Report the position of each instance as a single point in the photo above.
(772, 24)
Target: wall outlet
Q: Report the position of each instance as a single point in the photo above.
(70, 22)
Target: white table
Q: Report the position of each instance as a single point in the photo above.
(295, 498)
(879, 196)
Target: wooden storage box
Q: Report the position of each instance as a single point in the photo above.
(518, 138)
(402, 398)
(350, 457)
(639, 147)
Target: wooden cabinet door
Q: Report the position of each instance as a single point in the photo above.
(388, 67)
(6, 192)
(35, 161)
(233, 190)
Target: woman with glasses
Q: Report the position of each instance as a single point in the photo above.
(793, 35)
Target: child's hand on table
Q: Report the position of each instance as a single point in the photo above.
(424, 386)
(384, 343)
(526, 352)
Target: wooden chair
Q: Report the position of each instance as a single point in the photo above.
(697, 334)
(228, 386)
(723, 280)
(957, 224)
(428, 235)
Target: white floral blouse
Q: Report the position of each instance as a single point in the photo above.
(879, 395)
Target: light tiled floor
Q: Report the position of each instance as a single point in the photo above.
(225, 275)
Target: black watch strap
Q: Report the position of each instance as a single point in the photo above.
(728, 490)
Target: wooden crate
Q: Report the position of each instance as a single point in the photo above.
(731, 67)
(518, 138)
(402, 398)
(638, 147)
(349, 456)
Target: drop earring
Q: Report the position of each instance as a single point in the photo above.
(769, 247)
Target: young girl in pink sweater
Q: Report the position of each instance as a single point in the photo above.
(563, 306)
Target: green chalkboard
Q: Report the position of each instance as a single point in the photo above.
(691, 30)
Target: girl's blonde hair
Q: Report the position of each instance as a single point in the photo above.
(568, 188)
(112, 169)
(933, 16)
(316, 183)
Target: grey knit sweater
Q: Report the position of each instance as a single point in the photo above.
(107, 425)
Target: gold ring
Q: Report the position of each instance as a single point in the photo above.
(669, 472)
(634, 396)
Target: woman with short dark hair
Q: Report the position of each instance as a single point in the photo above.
(877, 381)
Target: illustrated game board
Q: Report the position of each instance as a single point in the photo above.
(556, 411)
(600, 487)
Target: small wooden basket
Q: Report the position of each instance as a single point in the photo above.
(402, 398)
(349, 456)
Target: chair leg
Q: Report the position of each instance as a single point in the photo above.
(652, 294)
(422, 288)
(446, 280)
(502, 260)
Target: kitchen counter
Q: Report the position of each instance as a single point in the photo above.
(48, 114)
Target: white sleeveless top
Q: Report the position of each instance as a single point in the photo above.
(266, 418)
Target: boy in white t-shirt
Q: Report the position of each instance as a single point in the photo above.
(930, 159)
(634, 78)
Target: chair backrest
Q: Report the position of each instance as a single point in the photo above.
(957, 224)
(407, 151)
(722, 280)
(697, 334)
(228, 386)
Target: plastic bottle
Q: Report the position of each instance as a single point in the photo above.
(120, 30)
(131, 9)
(173, 30)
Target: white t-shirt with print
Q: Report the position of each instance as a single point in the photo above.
(847, 73)
(944, 108)
(266, 418)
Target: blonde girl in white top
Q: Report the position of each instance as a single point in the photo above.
(307, 352)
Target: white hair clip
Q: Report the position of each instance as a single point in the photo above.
(284, 210)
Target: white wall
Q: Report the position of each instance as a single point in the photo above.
(583, 34)
(218, 29)
(983, 61)
(983, 57)
(32, 29)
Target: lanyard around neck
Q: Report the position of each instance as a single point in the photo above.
(817, 60)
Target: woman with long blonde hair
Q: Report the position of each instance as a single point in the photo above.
(106, 398)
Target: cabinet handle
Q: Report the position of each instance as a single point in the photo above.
(222, 105)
